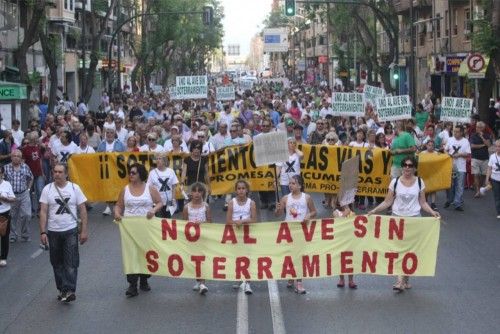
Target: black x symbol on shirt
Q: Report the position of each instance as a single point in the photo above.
(164, 184)
(62, 209)
(455, 149)
(497, 167)
(64, 156)
(290, 168)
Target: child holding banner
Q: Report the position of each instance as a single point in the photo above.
(299, 208)
(198, 211)
(242, 210)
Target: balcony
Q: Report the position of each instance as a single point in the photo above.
(403, 6)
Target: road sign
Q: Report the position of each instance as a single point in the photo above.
(476, 62)
(276, 40)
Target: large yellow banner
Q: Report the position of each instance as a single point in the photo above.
(378, 245)
(103, 175)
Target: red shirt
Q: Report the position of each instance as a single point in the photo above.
(33, 158)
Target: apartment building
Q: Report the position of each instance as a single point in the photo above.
(441, 41)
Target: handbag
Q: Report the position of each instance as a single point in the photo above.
(4, 222)
(78, 220)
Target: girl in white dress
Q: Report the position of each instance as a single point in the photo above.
(198, 211)
(242, 210)
(299, 208)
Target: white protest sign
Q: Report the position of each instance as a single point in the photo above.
(270, 148)
(349, 177)
(190, 87)
(348, 104)
(455, 109)
(246, 84)
(393, 108)
(371, 93)
(225, 93)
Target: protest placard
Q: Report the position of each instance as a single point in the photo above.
(270, 148)
(455, 109)
(348, 104)
(393, 108)
(374, 245)
(349, 181)
(371, 93)
(103, 175)
(246, 84)
(189, 87)
(225, 93)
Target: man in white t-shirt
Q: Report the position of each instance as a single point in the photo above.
(326, 109)
(121, 132)
(17, 133)
(59, 203)
(226, 117)
(63, 151)
(493, 176)
(459, 149)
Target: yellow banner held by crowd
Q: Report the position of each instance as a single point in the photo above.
(103, 175)
(378, 245)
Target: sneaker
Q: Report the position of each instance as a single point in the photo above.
(299, 288)
(399, 286)
(69, 297)
(60, 295)
(447, 204)
(498, 217)
(132, 291)
(196, 287)
(3, 263)
(203, 289)
(144, 286)
(107, 211)
(433, 206)
(237, 286)
(459, 208)
(247, 288)
(25, 239)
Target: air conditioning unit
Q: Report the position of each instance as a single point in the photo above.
(429, 26)
(421, 28)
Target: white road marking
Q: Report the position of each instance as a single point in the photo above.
(37, 253)
(276, 313)
(242, 312)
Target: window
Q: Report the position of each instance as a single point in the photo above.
(69, 5)
(467, 24)
(438, 25)
(322, 40)
(455, 22)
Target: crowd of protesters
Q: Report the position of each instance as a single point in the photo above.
(133, 122)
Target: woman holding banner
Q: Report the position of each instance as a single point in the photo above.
(407, 197)
(137, 199)
(299, 207)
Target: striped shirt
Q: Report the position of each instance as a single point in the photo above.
(19, 178)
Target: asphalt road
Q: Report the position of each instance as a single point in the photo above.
(463, 297)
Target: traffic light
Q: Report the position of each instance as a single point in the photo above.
(208, 15)
(394, 76)
(290, 7)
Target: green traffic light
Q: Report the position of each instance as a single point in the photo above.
(396, 76)
(289, 10)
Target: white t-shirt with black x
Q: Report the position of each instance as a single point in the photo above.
(164, 182)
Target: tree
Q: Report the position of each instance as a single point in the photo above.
(51, 49)
(486, 39)
(98, 24)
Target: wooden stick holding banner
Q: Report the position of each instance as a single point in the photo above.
(269, 149)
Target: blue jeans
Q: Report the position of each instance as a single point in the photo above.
(64, 258)
(38, 185)
(455, 195)
(496, 194)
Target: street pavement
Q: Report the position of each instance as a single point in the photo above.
(463, 297)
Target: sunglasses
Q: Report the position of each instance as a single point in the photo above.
(407, 165)
(132, 172)
(330, 139)
(151, 139)
(233, 130)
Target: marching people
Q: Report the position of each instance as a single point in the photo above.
(298, 207)
(480, 141)
(242, 210)
(137, 199)
(19, 175)
(198, 211)
(287, 169)
(7, 197)
(165, 180)
(60, 203)
(458, 148)
(493, 176)
(344, 211)
(32, 155)
(407, 196)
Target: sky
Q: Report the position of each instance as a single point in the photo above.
(243, 19)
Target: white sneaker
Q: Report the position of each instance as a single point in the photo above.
(3, 263)
(247, 288)
(498, 217)
(196, 287)
(107, 211)
(203, 289)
